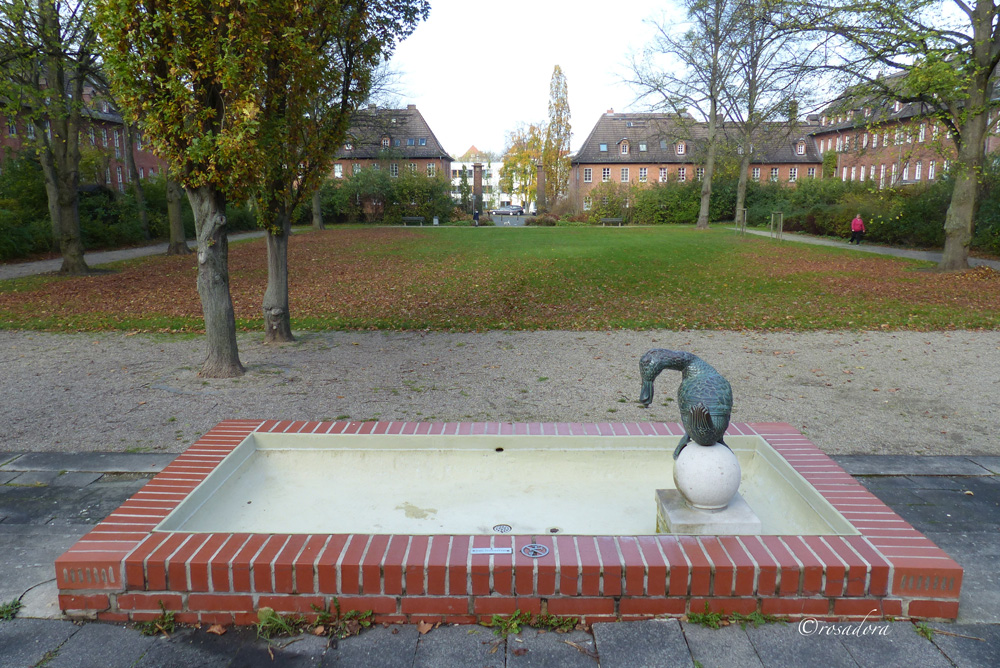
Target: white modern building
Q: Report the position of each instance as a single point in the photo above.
(492, 196)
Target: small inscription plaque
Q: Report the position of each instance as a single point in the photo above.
(491, 550)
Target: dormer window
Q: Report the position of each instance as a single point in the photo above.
(386, 142)
(348, 146)
(897, 106)
(624, 146)
(800, 148)
(739, 149)
(642, 148)
(681, 148)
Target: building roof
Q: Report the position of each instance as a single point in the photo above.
(409, 135)
(656, 138)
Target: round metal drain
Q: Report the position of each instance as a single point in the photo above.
(502, 528)
(534, 550)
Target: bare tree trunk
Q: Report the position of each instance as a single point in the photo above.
(706, 182)
(277, 320)
(133, 175)
(178, 245)
(317, 211)
(741, 187)
(959, 222)
(209, 207)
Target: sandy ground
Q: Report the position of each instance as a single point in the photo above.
(850, 392)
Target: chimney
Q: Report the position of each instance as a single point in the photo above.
(611, 111)
(411, 107)
(371, 106)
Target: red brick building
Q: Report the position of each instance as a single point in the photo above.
(392, 139)
(649, 148)
(102, 130)
(888, 142)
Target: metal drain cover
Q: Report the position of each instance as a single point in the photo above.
(502, 528)
(534, 550)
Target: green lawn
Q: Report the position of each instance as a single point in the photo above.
(529, 278)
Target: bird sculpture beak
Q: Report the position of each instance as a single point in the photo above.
(646, 395)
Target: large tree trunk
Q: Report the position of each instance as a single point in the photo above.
(178, 244)
(209, 207)
(960, 221)
(277, 321)
(317, 211)
(133, 175)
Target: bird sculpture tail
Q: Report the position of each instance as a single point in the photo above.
(703, 432)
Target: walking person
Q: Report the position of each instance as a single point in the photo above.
(857, 229)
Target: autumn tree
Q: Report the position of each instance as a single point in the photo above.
(687, 70)
(191, 71)
(318, 65)
(48, 53)
(939, 55)
(520, 162)
(558, 132)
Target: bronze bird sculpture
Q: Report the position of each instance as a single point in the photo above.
(704, 397)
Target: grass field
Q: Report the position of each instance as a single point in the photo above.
(526, 278)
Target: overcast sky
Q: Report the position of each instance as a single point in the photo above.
(477, 69)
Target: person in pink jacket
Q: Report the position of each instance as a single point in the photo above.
(857, 229)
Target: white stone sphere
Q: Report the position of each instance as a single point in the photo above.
(707, 476)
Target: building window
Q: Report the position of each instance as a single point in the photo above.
(338, 171)
(395, 142)
(862, 175)
(30, 127)
(119, 174)
(906, 171)
(356, 168)
(430, 169)
(410, 141)
(853, 174)
(385, 142)
(588, 174)
(11, 128)
(801, 148)
(104, 136)
(606, 174)
(840, 144)
(587, 203)
(624, 174)
(874, 140)
(847, 143)
(755, 173)
(739, 149)
(864, 140)
(348, 146)
(682, 174)
(90, 133)
(930, 170)
(423, 141)
(922, 132)
(118, 150)
(142, 173)
(885, 138)
(774, 174)
(681, 148)
(107, 176)
(376, 166)
(663, 174)
(793, 174)
(642, 175)
(394, 169)
(811, 172)
(663, 144)
(934, 132)
(699, 173)
(897, 105)
(624, 148)
(899, 136)
(917, 170)
(642, 148)
(895, 174)
(881, 177)
(413, 168)
(603, 148)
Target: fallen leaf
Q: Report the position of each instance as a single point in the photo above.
(424, 627)
(319, 630)
(520, 651)
(217, 629)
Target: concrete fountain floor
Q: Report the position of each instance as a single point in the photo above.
(48, 500)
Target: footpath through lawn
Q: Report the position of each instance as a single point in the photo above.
(526, 278)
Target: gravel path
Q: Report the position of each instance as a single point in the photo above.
(850, 392)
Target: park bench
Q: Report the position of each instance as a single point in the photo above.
(612, 221)
(413, 219)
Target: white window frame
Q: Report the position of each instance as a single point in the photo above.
(918, 169)
(931, 169)
(682, 174)
(663, 174)
(775, 174)
(894, 177)
(643, 173)
(588, 175)
(881, 177)
(338, 171)
(624, 148)
(681, 148)
(800, 149)
(755, 173)
(587, 203)
(430, 169)
(793, 174)
(605, 174)
(394, 169)
(853, 173)
(624, 174)
(874, 140)
(922, 132)
(861, 175)
(811, 172)
(699, 173)
(906, 172)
